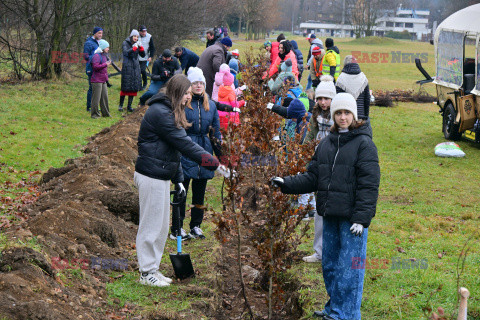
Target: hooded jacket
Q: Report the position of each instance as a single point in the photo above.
(352, 80)
(278, 62)
(274, 52)
(131, 73)
(346, 175)
(299, 56)
(202, 121)
(99, 68)
(160, 144)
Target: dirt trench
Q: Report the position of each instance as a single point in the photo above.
(87, 214)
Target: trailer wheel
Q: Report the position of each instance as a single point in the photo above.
(450, 129)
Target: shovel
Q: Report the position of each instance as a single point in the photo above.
(181, 262)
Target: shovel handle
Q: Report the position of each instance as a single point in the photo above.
(179, 244)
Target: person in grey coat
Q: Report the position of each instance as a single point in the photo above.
(211, 60)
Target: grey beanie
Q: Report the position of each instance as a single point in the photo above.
(134, 33)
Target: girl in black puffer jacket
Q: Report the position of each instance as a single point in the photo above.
(344, 172)
(161, 141)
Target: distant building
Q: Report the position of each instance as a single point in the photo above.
(411, 20)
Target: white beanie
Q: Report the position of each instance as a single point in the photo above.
(196, 74)
(326, 88)
(344, 101)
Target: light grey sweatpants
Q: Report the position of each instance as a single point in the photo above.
(154, 196)
(318, 235)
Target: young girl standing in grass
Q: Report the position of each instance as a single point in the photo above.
(345, 173)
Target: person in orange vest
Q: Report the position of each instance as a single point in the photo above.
(316, 66)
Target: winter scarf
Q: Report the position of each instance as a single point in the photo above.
(352, 80)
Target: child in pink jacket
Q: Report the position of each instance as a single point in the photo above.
(227, 95)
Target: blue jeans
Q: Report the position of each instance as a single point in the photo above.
(89, 92)
(309, 82)
(342, 267)
(152, 90)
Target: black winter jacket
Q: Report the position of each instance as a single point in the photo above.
(346, 175)
(354, 81)
(159, 68)
(160, 144)
(299, 56)
(131, 73)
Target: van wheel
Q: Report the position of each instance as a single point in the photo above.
(450, 129)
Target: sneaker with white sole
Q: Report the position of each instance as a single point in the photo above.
(184, 234)
(152, 279)
(163, 278)
(196, 232)
(312, 258)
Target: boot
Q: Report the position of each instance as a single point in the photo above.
(120, 107)
(129, 106)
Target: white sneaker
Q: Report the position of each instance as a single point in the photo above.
(163, 278)
(183, 233)
(312, 258)
(196, 232)
(152, 279)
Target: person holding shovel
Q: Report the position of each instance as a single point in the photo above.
(161, 141)
(344, 172)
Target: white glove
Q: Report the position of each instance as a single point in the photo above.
(136, 44)
(244, 87)
(276, 138)
(270, 106)
(224, 171)
(236, 110)
(277, 181)
(181, 192)
(357, 229)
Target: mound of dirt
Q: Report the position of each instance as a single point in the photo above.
(86, 213)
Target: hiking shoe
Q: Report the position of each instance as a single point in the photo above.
(312, 258)
(196, 232)
(184, 234)
(130, 109)
(120, 108)
(152, 279)
(306, 218)
(312, 213)
(163, 278)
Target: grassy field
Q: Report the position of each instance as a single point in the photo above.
(428, 206)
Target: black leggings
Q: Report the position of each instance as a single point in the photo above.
(198, 198)
(130, 100)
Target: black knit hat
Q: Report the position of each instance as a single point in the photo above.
(329, 42)
(142, 27)
(167, 53)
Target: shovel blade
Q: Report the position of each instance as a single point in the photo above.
(182, 265)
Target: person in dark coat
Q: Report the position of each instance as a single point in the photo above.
(211, 59)
(299, 56)
(345, 173)
(88, 51)
(187, 58)
(352, 80)
(161, 142)
(164, 68)
(212, 38)
(131, 72)
(202, 114)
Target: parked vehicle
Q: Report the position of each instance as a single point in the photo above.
(457, 50)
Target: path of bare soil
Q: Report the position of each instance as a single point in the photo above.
(86, 214)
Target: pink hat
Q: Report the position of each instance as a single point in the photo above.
(228, 79)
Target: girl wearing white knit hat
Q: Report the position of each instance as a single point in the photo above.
(319, 128)
(345, 173)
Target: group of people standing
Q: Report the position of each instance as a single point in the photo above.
(175, 144)
(342, 180)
